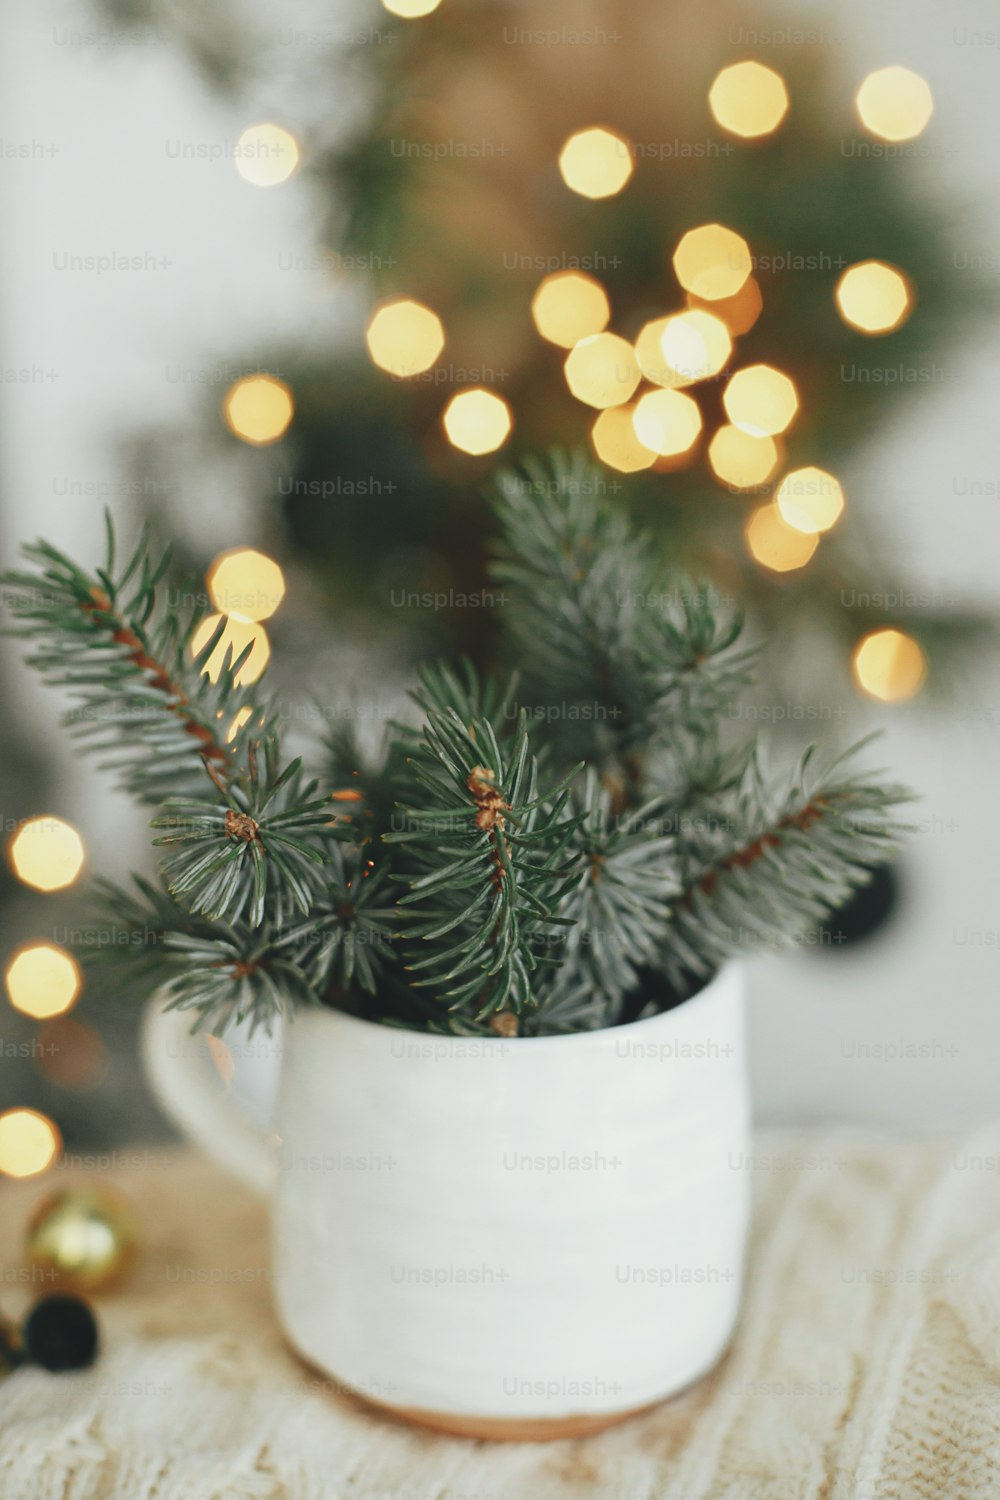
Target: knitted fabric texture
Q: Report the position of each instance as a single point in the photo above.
(866, 1365)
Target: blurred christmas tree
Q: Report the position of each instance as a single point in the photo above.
(707, 255)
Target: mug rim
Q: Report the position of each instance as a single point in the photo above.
(721, 977)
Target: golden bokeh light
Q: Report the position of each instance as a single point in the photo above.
(739, 312)
(776, 545)
(404, 337)
(742, 462)
(810, 499)
(246, 584)
(668, 422)
(760, 400)
(237, 635)
(748, 99)
(596, 163)
(29, 1143)
(258, 409)
(615, 442)
(241, 717)
(874, 297)
(894, 104)
(569, 306)
(602, 370)
(46, 853)
(411, 9)
(650, 357)
(889, 665)
(43, 980)
(266, 155)
(712, 262)
(696, 345)
(477, 421)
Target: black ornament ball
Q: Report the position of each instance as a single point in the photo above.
(60, 1333)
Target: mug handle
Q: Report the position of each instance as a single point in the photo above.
(187, 1086)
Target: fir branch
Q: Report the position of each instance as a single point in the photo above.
(619, 906)
(775, 874)
(490, 862)
(142, 697)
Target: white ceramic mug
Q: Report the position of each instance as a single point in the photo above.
(511, 1238)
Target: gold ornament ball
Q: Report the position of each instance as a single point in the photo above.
(84, 1238)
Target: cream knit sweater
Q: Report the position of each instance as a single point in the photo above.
(866, 1367)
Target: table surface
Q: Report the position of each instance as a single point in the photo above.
(866, 1364)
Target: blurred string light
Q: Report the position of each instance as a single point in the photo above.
(258, 409)
(602, 370)
(73, 1056)
(873, 297)
(616, 442)
(748, 100)
(810, 499)
(29, 1142)
(569, 306)
(46, 853)
(776, 545)
(889, 665)
(411, 9)
(246, 584)
(237, 635)
(404, 337)
(43, 980)
(650, 357)
(266, 155)
(761, 400)
(742, 462)
(696, 345)
(894, 104)
(712, 262)
(241, 717)
(740, 311)
(596, 162)
(668, 422)
(477, 421)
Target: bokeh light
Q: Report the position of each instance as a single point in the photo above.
(810, 499)
(602, 370)
(72, 1055)
(776, 545)
(696, 345)
(712, 262)
(616, 443)
(258, 409)
(477, 421)
(748, 99)
(241, 717)
(742, 462)
(596, 163)
(43, 980)
(760, 400)
(668, 422)
(411, 9)
(404, 337)
(237, 635)
(740, 311)
(894, 104)
(569, 306)
(246, 584)
(46, 853)
(266, 155)
(29, 1142)
(889, 665)
(874, 297)
(650, 357)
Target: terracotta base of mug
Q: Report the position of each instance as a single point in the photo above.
(511, 1429)
(486, 1429)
